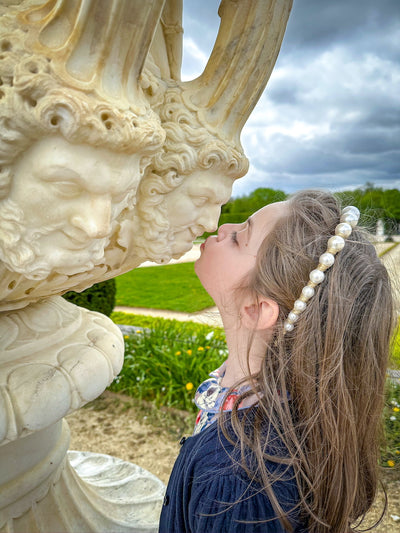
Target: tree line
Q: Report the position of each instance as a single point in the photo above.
(373, 202)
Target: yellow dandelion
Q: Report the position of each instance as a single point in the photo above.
(189, 352)
(396, 409)
(200, 349)
(390, 462)
(126, 336)
(178, 353)
(208, 347)
(397, 452)
(189, 386)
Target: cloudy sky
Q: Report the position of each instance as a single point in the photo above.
(330, 115)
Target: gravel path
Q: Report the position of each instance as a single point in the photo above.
(391, 260)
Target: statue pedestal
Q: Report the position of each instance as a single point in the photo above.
(56, 491)
(56, 357)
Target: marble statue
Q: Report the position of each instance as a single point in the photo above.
(380, 231)
(107, 160)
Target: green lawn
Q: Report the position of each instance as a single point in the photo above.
(174, 287)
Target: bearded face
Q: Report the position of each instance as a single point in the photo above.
(173, 215)
(195, 206)
(35, 253)
(63, 207)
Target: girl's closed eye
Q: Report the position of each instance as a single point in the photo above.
(234, 237)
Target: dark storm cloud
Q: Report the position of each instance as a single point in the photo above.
(330, 115)
(319, 23)
(282, 94)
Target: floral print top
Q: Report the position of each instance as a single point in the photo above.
(210, 396)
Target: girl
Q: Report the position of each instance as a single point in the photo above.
(287, 437)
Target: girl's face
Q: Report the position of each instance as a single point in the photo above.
(227, 257)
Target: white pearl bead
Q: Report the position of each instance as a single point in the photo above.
(326, 259)
(343, 230)
(299, 305)
(292, 317)
(350, 218)
(351, 209)
(335, 244)
(288, 326)
(316, 276)
(308, 292)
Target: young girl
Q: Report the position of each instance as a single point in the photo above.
(287, 437)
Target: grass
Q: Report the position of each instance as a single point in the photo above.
(165, 363)
(145, 321)
(173, 287)
(389, 249)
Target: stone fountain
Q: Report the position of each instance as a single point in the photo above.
(107, 159)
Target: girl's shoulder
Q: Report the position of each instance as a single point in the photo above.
(218, 446)
(221, 497)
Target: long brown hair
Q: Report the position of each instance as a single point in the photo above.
(321, 386)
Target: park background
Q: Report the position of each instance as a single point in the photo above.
(148, 408)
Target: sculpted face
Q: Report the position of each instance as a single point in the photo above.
(195, 206)
(62, 206)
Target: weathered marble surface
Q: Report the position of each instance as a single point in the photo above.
(102, 80)
(107, 159)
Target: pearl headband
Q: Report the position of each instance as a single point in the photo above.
(348, 220)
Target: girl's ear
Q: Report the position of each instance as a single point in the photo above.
(260, 315)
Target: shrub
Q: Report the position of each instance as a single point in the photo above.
(99, 297)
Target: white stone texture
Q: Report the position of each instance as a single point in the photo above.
(107, 160)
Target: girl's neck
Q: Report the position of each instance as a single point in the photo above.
(245, 351)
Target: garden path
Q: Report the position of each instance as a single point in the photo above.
(209, 316)
(391, 260)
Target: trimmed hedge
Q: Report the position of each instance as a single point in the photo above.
(99, 297)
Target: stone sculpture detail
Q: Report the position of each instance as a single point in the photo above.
(107, 159)
(380, 231)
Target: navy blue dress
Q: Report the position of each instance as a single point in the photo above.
(206, 482)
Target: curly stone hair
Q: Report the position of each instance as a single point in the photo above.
(35, 103)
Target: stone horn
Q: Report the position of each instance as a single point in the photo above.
(96, 45)
(244, 54)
